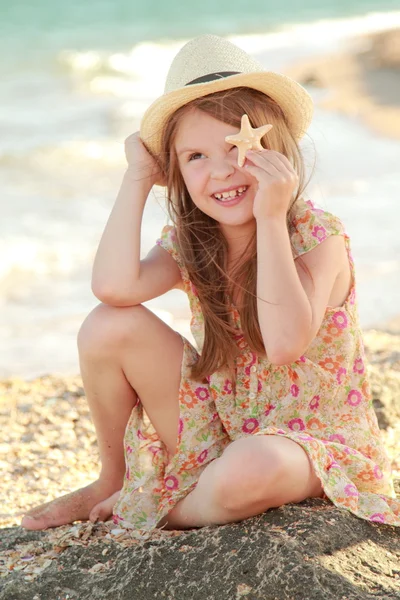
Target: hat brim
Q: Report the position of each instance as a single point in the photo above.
(294, 100)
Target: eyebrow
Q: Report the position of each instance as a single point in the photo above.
(184, 150)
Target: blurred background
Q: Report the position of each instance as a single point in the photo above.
(75, 80)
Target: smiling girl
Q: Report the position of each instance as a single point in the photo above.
(274, 404)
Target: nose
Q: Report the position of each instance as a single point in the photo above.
(222, 168)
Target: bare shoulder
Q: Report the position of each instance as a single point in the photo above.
(327, 264)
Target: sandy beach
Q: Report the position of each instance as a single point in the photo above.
(49, 444)
(363, 82)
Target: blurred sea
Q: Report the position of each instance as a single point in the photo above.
(75, 79)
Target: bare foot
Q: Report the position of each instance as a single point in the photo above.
(104, 510)
(75, 506)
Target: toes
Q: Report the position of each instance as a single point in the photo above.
(103, 510)
(94, 514)
(34, 513)
(44, 519)
(67, 509)
(30, 522)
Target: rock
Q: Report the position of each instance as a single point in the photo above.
(360, 79)
(308, 551)
(312, 78)
(384, 50)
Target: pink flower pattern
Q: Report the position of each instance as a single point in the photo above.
(354, 398)
(171, 482)
(228, 387)
(319, 233)
(250, 425)
(294, 390)
(340, 319)
(202, 457)
(340, 375)
(351, 490)
(202, 393)
(296, 425)
(358, 366)
(328, 411)
(314, 403)
(336, 437)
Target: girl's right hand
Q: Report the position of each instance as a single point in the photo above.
(141, 163)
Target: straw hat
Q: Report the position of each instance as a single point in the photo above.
(209, 64)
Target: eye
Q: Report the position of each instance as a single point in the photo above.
(192, 156)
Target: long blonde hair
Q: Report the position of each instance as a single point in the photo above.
(203, 247)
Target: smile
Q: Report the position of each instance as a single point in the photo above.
(232, 197)
(231, 194)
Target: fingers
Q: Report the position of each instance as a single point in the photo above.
(271, 162)
(264, 170)
(262, 162)
(278, 156)
(270, 156)
(133, 138)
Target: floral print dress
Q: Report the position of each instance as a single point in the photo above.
(322, 402)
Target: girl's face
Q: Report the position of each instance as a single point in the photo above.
(210, 169)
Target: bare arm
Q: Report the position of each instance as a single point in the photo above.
(290, 310)
(117, 263)
(289, 324)
(285, 320)
(119, 277)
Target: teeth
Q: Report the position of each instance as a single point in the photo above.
(231, 194)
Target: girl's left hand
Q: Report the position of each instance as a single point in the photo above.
(277, 181)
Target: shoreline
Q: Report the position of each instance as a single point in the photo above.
(362, 82)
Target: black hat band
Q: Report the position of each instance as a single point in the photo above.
(213, 77)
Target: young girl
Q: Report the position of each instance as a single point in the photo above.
(274, 406)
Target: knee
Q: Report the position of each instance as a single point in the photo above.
(249, 472)
(107, 328)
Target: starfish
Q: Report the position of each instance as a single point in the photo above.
(247, 138)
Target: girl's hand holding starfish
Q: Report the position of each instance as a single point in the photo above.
(277, 181)
(276, 177)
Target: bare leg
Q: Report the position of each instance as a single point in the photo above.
(252, 475)
(122, 351)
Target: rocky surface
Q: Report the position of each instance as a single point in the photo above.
(307, 551)
(362, 81)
